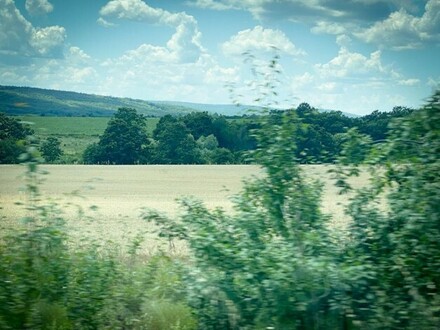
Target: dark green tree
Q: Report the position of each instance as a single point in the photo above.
(124, 140)
(51, 149)
(199, 124)
(175, 144)
(12, 139)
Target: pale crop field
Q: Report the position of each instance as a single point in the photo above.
(111, 198)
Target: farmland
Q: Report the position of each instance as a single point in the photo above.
(117, 195)
(75, 133)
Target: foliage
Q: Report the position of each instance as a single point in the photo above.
(124, 140)
(269, 264)
(376, 124)
(46, 284)
(274, 264)
(399, 245)
(12, 139)
(319, 138)
(51, 149)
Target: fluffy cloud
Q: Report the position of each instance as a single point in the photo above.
(73, 72)
(150, 72)
(260, 40)
(48, 41)
(402, 30)
(38, 7)
(295, 10)
(369, 83)
(388, 23)
(184, 45)
(347, 65)
(19, 38)
(214, 5)
(409, 82)
(329, 28)
(15, 30)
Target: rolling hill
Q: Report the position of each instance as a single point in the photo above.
(46, 102)
(22, 101)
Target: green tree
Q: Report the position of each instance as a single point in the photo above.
(12, 139)
(175, 144)
(270, 263)
(124, 140)
(51, 149)
(199, 124)
(398, 245)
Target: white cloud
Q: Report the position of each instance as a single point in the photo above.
(328, 28)
(310, 11)
(15, 30)
(132, 10)
(19, 37)
(150, 72)
(351, 65)
(38, 7)
(104, 23)
(390, 24)
(260, 40)
(300, 81)
(356, 83)
(327, 86)
(409, 82)
(184, 45)
(48, 41)
(343, 40)
(214, 5)
(404, 31)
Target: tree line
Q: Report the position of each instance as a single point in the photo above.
(202, 138)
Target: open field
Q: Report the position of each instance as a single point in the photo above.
(75, 133)
(120, 192)
(89, 126)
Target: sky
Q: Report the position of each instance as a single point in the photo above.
(355, 56)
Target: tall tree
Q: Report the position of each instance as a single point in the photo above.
(12, 136)
(199, 124)
(175, 144)
(125, 139)
(51, 149)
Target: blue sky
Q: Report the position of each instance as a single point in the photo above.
(351, 55)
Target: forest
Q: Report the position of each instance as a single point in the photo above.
(203, 138)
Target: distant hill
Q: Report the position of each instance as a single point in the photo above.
(37, 101)
(221, 109)
(46, 102)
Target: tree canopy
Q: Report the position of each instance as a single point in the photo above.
(124, 140)
(12, 139)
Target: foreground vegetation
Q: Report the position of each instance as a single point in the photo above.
(272, 265)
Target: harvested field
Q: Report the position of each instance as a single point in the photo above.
(118, 193)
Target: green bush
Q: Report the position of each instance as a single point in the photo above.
(274, 263)
(44, 284)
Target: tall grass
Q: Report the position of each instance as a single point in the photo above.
(44, 284)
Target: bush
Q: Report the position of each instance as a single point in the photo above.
(45, 284)
(274, 263)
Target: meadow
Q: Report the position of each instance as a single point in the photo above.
(106, 202)
(75, 133)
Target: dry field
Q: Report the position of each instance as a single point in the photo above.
(120, 192)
